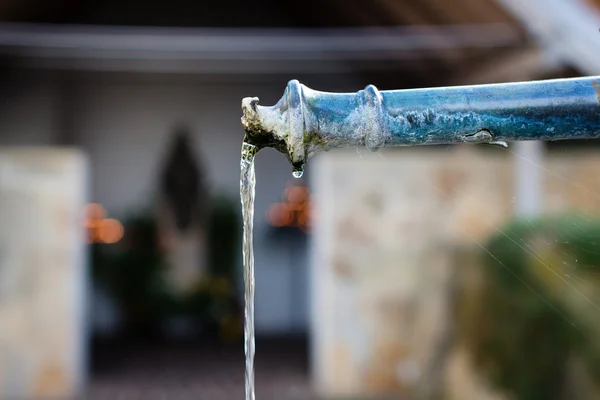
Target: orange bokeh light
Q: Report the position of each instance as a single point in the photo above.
(94, 212)
(273, 215)
(280, 215)
(303, 218)
(110, 231)
(294, 211)
(99, 228)
(297, 195)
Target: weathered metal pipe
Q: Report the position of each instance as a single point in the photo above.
(305, 122)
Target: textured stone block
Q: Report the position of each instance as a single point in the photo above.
(42, 272)
(384, 256)
(383, 259)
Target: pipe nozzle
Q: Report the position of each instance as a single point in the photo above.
(280, 126)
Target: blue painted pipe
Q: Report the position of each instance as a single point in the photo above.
(305, 122)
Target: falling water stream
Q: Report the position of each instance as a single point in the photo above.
(247, 189)
(247, 192)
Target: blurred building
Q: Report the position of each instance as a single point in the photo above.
(118, 92)
(114, 78)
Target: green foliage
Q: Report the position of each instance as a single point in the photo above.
(134, 273)
(521, 332)
(224, 239)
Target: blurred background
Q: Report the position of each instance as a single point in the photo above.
(448, 272)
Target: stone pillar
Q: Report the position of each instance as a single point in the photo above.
(43, 273)
(389, 236)
(382, 262)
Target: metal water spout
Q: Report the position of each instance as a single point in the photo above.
(305, 122)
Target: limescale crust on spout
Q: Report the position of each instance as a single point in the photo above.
(281, 126)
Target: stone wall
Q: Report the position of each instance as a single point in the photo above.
(383, 248)
(42, 273)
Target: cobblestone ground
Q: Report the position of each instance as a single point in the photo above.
(198, 371)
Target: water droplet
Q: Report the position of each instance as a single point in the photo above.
(298, 173)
